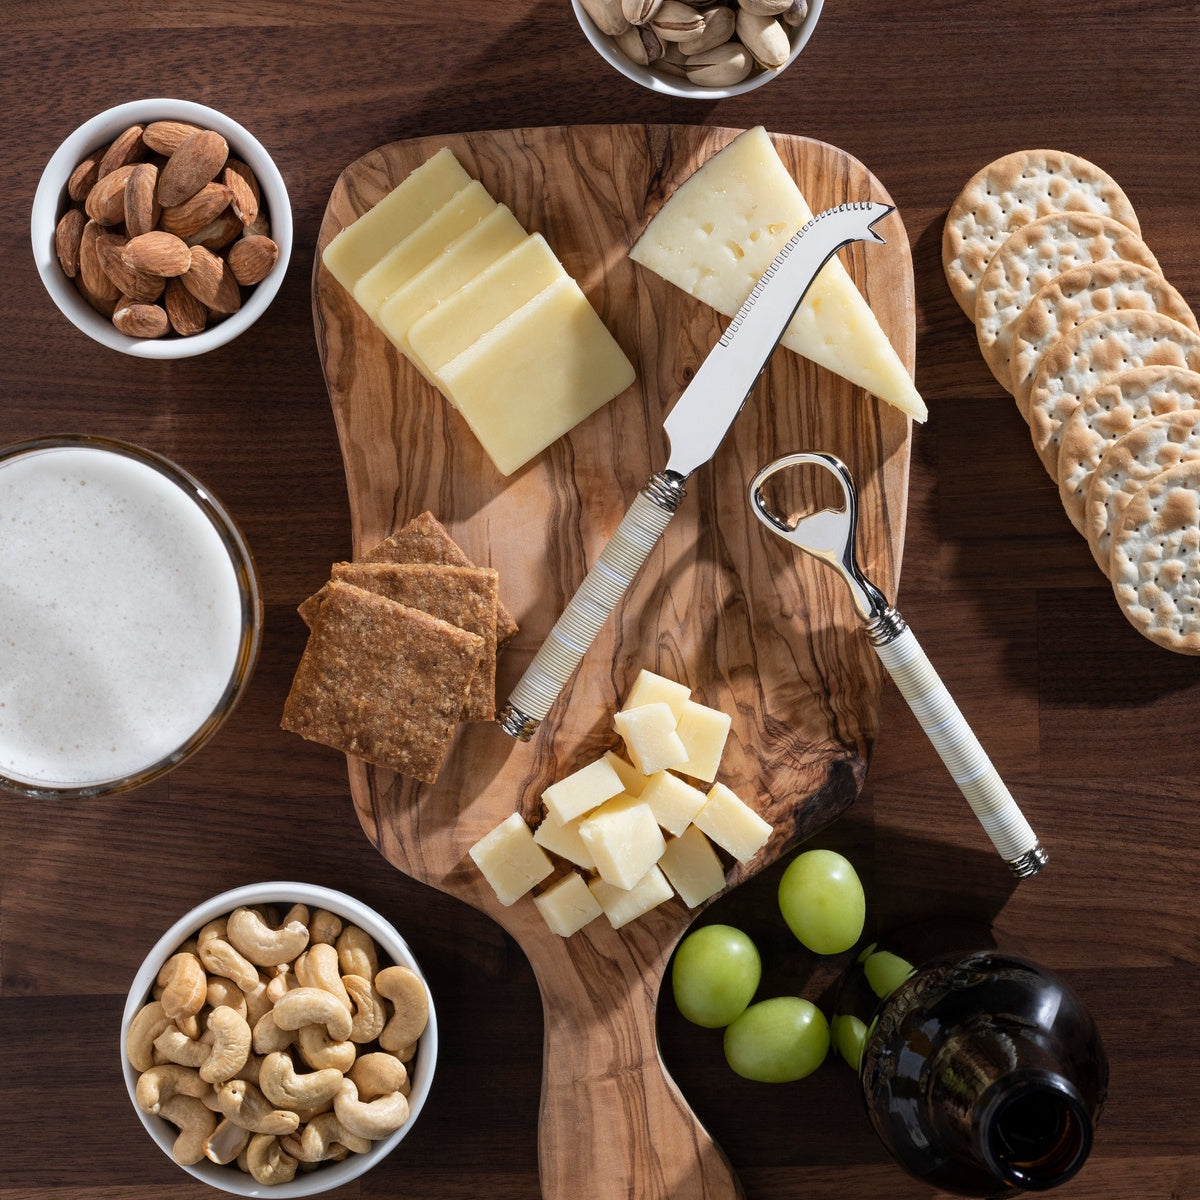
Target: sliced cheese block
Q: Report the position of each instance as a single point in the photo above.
(511, 861)
(581, 791)
(535, 376)
(462, 211)
(732, 823)
(719, 232)
(568, 905)
(416, 198)
(624, 839)
(650, 737)
(649, 688)
(564, 840)
(703, 732)
(673, 802)
(692, 866)
(622, 906)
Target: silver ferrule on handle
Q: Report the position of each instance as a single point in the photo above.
(601, 591)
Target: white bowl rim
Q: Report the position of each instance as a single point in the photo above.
(51, 188)
(668, 86)
(328, 1175)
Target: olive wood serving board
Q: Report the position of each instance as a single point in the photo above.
(753, 627)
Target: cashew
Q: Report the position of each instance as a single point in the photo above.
(268, 1037)
(251, 1070)
(195, 1124)
(369, 1118)
(319, 1050)
(148, 1022)
(226, 1142)
(160, 1083)
(323, 1138)
(230, 1047)
(285, 1089)
(318, 967)
(357, 953)
(222, 992)
(370, 1013)
(268, 1162)
(407, 993)
(190, 1025)
(279, 984)
(214, 929)
(246, 1106)
(324, 927)
(256, 1001)
(254, 939)
(313, 1006)
(377, 1074)
(184, 985)
(222, 959)
(175, 1046)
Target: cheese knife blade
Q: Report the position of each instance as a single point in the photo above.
(695, 427)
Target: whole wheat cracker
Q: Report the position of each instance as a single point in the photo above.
(1090, 354)
(1029, 259)
(1073, 297)
(1149, 448)
(1010, 192)
(1155, 570)
(1109, 413)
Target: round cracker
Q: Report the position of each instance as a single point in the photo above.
(1151, 447)
(1029, 259)
(1072, 298)
(1155, 570)
(1012, 191)
(1107, 414)
(1092, 353)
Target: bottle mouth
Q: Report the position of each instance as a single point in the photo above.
(1036, 1132)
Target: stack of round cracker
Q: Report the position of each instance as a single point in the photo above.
(1043, 250)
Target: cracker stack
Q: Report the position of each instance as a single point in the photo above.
(402, 647)
(1073, 315)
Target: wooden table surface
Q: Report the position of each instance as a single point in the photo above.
(1093, 727)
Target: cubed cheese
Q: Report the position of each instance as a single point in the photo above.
(511, 861)
(622, 906)
(703, 732)
(693, 867)
(673, 802)
(732, 823)
(650, 737)
(568, 905)
(564, 840)
(649, 688)
(632, 780)
(581, 791)
(624, 839)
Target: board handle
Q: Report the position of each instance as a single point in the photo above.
(608, 580)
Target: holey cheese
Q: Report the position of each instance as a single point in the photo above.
(720, 231)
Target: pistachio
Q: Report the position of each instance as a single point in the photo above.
(676, 21)
(640, 12)
(765, 8)
(607, 16)
(765, 38)
(722, 66)
(718, 29)
(641, 45)
(795, 14)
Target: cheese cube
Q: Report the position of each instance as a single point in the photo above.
(624, 839)
(581, 791)
(416, 198)
(650, 737)
(693, 867)
(649, 688)
(632, 780)
(732, 824)
(564, 840)
(568, 905)
(511, 861)
(673, 802)
(622, 906)
(703, 732)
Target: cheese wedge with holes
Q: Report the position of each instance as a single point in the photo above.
(720, 230)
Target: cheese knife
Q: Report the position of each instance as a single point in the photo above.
(695, 427)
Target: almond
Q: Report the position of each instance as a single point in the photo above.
(210, 280)
(165, 137)
(220, 233)
(187, 314)
(140, 320)
(198, 160)
(68, 233)
(246, 197)
(93, 280)
(83, 178)
(157, 253)
(141, 202)
(105, 203)
(251, 259)
(128, 148)
(197, 211)
(132, 284)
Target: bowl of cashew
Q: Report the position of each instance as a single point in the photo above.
(279, 1040)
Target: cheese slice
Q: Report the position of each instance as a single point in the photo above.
(568, 905)
(536, 375)
(624, 839)
(732, 823)
(511, 861)
(649, 688)
(692, 866)
(703, 732)
(623, 905)
(650, 737)
(581, 791)
(564, 840)
(722, 228)
(673, 802)
(416, 198)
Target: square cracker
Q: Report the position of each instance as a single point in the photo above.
(382, 681)
(425, 540)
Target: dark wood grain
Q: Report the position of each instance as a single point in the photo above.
(1092, 726)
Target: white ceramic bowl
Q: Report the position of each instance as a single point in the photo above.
(283, 894)
(51, 199)
(671, 85)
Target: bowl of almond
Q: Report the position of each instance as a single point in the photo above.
(162, 228)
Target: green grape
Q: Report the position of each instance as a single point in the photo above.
(777, 1040)
(715, 974)
(885, 972)
(849, 1037)
(822, 901)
